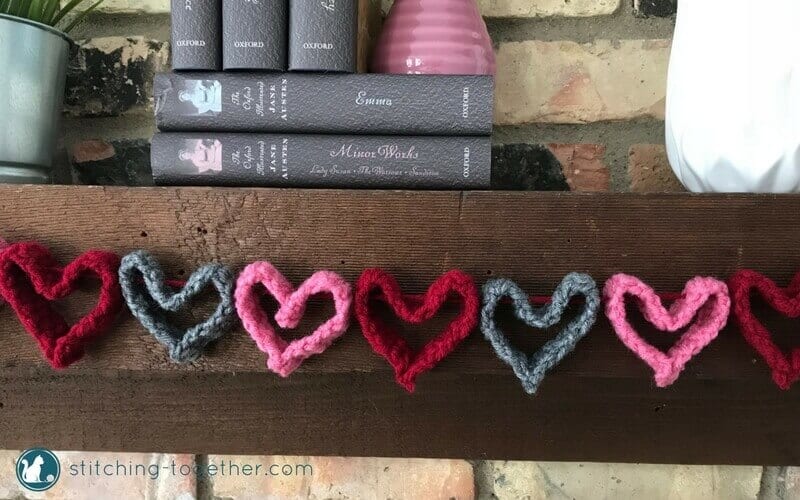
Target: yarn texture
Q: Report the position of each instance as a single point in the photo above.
(707, 299)
(149, 298)
(3, 244)
(531, 370)
(785, 369)
(31, 278)
(386, 342)
(284, 358)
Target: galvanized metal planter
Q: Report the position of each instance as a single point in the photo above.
(33, 65)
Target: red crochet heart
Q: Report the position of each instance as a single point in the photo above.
(785, 370)
(30, 278)
(408, 364)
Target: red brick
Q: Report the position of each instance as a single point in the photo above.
(350, 478)
(94, 150)
(649, 170)
(569, 82)
(583, 166)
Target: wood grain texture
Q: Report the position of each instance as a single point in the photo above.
(599, 404)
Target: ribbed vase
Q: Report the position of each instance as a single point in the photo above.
(445, 37)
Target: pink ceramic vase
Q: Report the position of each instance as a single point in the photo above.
(445, 37)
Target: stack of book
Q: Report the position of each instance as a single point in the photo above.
(265, 93)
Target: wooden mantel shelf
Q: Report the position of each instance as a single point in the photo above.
(600, 404)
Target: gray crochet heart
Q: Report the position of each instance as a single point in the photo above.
(149, 298)
(531, 370)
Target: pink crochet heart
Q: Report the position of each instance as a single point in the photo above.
(705, 298)
(283, 358)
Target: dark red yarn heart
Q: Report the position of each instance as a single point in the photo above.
(388, 343)
(31, 278)
(785, 370)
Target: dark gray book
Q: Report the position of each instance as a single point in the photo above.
(254, 35)
(197, 35)
(331, 161)
(325, 103)
(323, 35)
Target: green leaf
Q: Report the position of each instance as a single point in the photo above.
(69, 7)
(48, 12)
(35, 11)
(19, 8)
(81, 16)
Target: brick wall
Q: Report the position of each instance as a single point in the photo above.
(579, 105)
(400, 479)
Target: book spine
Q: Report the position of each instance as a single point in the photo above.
(325, 103)
(323, 35)
(254, 35)
(196, 33)
(260, 160)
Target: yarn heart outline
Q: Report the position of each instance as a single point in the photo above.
(532, 369)
(386, 342)
(31, 278)
(284, 357)
(704, 299)
(149, 298)
(786, 301)
(3, 244)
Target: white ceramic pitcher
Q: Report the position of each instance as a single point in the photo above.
(733, 97)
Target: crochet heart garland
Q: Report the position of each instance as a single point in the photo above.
(386, 342)
(785, 369)
(531, 370)
(31, 278)
(705, 298)
(149, 298)
(3, 244)
(284, 358)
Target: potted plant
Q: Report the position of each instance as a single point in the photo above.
(34, 49)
